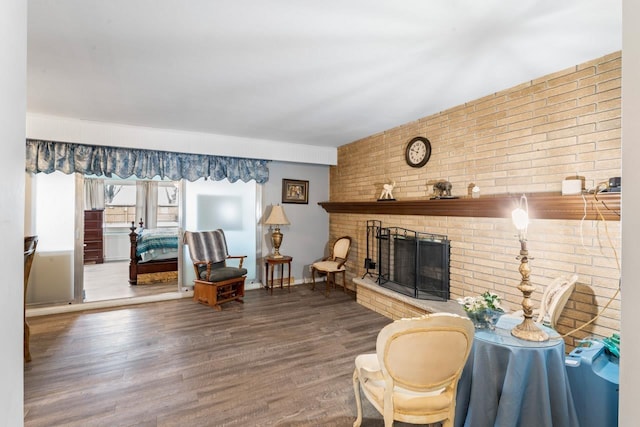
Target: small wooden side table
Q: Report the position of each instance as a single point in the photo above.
(272, 263)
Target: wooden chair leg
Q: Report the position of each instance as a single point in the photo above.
(344, 282)
(327, 283)
(331, 279)
(313, 278)
(27, 335)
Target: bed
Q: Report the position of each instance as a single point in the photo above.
(152, 251)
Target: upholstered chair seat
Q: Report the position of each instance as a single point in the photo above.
(221, 272)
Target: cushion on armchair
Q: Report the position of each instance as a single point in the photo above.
(219, 272)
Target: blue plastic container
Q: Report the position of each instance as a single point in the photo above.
(594, 379)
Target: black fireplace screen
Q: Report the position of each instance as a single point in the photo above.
(413, 263)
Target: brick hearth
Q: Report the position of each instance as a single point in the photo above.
(395, 305)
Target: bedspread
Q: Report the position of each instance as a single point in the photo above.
(156, 240)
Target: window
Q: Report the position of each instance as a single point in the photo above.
(126, 201)
(120, 202)
(167, 214)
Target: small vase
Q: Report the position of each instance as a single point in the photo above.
(484, 319)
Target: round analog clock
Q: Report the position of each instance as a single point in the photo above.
(418, 152)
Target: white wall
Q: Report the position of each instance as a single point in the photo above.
(119, 135)
(630, 350)
(30, 202)
(13, 76)
(306, 237)
(230, 206)
(117, 245)
(55, 211)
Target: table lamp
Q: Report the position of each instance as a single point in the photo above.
(277, 217)
(527, 330)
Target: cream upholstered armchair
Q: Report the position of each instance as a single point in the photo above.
(554, 299)
(334, 263)
(413, 377)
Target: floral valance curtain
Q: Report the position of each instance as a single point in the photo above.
(50, 156)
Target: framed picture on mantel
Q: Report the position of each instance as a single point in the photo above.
(295, 191)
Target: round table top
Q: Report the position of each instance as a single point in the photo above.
(502, 335)
(283, 258)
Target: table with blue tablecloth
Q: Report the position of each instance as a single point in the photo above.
(509, 382)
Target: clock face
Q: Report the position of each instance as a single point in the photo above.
(418, 152)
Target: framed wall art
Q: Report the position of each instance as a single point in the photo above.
(295, 191)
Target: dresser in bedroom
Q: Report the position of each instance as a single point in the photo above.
(93, 237)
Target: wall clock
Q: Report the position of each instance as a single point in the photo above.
(418, 152)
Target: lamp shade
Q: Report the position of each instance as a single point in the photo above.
(277, 216)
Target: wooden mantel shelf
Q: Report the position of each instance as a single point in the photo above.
(541, 206)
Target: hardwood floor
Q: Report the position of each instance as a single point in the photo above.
(110, 280)
(277, 360)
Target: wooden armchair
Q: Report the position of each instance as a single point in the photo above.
(215, 282)
(334, 263)
(30, 244)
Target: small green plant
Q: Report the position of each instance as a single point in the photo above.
(486, 301)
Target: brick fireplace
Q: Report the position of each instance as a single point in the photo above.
(412, 263)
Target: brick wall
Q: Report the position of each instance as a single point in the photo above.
(523, 139)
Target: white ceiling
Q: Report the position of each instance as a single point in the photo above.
(321, 73)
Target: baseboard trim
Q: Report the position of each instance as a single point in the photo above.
(95, 305)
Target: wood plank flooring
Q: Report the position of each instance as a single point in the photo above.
(110, 280)
(277, 360)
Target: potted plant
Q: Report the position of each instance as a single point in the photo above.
(484, 310)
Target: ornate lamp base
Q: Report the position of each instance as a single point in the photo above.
(276, 241)
(528, 330)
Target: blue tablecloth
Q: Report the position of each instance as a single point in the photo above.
(508, 382)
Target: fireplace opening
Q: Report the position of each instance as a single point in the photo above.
(412, 263)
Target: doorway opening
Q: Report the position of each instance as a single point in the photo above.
(112, 207)
(56, 204)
